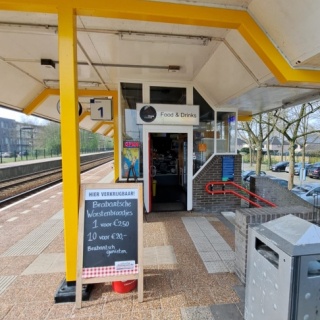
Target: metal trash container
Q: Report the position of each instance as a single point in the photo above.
(283, 270)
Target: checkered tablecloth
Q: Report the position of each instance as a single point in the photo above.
(98, 272)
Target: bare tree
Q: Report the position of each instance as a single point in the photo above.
(258, 131)
(291, 124)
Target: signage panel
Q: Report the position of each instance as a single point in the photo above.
(167, 114)
(131, 159)
(101, 109)
(110, 235)
(110, 227)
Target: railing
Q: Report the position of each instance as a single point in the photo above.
(209, 189)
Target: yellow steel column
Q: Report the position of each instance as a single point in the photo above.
(69, 134)
(116, 128)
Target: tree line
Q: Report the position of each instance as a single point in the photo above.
(294, 124)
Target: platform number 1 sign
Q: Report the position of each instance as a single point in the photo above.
(101, 109)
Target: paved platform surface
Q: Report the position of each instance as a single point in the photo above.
(188, 265)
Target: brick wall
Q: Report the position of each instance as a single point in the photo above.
(268, 189)
(204, 202)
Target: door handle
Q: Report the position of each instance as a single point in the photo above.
(153, 171)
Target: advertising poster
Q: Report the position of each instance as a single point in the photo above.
(227, 168)
(130, 159)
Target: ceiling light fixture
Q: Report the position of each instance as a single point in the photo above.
(28, 28)
(87, 84)
(174, 68)
(170, 68)
(167, 38)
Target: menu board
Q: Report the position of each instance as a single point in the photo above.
(110, 241)
(110, 227)
(227, 168)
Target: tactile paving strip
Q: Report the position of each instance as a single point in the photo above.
(37, 240)
(5, 282)
(216, 254)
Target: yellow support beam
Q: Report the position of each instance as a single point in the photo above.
(107, 131)
(244, 117)
(69, 135)
(111, 134)
(271, 56)
(195, 15)
(116, 139)
(108, 122)
(97, 126)
(33, 105)
(83, 115)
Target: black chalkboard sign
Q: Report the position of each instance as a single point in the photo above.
(110, 235)
(110, 228)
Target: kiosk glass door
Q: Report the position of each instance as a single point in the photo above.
(166, 186)
(168, 193)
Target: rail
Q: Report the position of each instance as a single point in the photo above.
(19, 187)
(209, 189)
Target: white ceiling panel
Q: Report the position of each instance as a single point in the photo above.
(247, 57)
(292, 25)
(17, 88)
(28, 17)
(49, 108)
(224, 77)
(228, 70)
(17, 46)
(257, 98)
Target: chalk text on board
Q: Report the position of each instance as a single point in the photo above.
(110, 250)
(116, 203)
(116, 223)
(109, 213)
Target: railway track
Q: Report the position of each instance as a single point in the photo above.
(14, 189)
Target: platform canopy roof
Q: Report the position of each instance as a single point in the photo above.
(252, 55)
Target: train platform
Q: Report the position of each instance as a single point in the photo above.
(24, 161)
(188, 265)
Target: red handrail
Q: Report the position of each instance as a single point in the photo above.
(209, 184)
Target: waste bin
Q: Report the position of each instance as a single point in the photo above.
(283, 270)
(154, 187)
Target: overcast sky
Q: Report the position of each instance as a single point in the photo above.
(19, 116)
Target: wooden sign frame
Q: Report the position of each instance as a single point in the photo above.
(108, 192)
